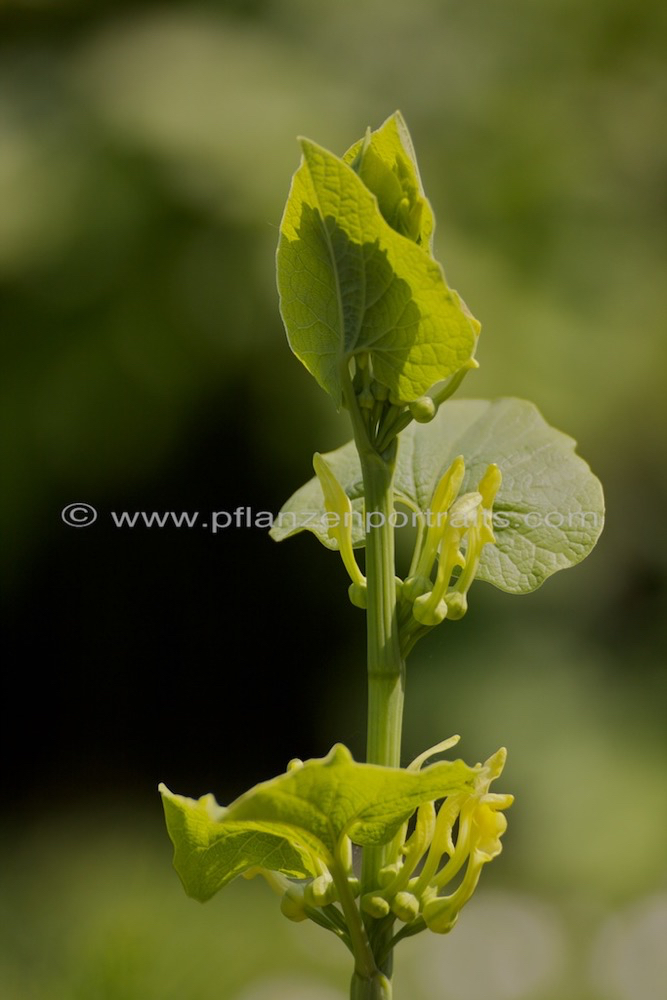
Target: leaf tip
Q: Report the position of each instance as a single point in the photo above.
(306, 143)
(339, 754)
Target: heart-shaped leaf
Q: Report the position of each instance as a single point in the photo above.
(548, 513)
(351, 284)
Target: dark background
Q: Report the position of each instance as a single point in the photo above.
(145, 156)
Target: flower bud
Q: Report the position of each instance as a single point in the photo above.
(457, 605)
(423, 410)
(374, 905)
(439, 915)
(427, 612)
(320, 892)
(387, 874)
(358, 594)
(415, 586)
(292, 905)
(405, 906)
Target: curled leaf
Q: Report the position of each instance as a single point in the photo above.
(296, 822)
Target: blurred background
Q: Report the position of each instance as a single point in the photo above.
(146, 151)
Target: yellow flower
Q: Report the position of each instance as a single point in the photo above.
(444, 496)
(339, 524)
(452, 523)
(481, 825)
(431, 609)
(480, 533)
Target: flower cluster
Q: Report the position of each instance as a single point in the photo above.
(455, 530)
(433, 856)
(434, 870)
(458, 529)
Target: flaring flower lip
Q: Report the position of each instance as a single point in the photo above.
(489, 826)
(494, 765)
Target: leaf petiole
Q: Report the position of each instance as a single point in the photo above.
(364, 962)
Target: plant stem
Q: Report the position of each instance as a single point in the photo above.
(386, 668)
(386, 665)
(364, 961)
(377, 988)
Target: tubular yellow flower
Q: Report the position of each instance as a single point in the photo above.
(481, 825)
(338, 506)
(480, 533)
(431, 609)
(444, 496)
(413, 850)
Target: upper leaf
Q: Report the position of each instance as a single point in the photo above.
(385, 160)
(549, 511)
(284, 823)
(349, 283)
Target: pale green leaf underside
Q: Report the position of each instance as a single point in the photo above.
(549, 511)
(282, 823)
(350, 284)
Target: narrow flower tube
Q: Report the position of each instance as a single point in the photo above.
(442, 843)
(444, 496)
(479, 534)
(413, 849)
(339, 527)
(431, 609)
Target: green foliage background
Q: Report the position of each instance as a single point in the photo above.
(145, 156)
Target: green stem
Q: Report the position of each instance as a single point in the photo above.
(397, 420)
(377, 988)
(386, 666)
(325, 919)
(364, 961)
